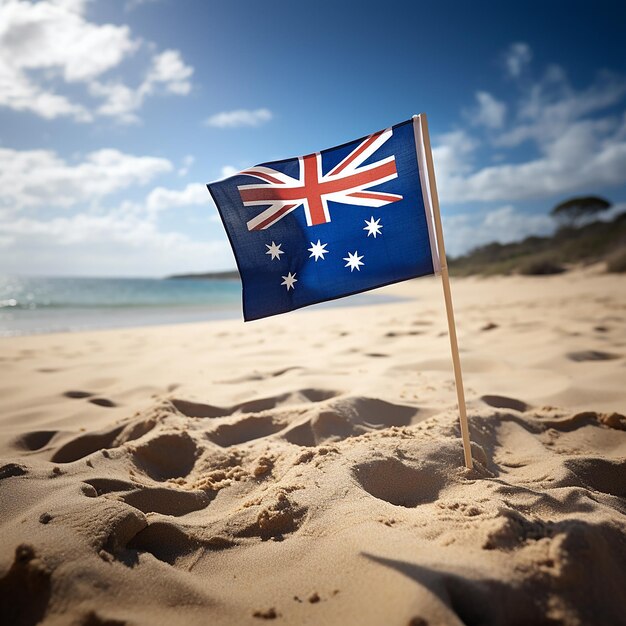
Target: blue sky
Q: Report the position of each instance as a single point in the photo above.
(113, 115)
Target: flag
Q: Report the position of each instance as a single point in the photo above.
(330, 224)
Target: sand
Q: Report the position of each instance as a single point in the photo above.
(308, 469)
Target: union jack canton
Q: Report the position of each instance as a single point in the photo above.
(330, 224)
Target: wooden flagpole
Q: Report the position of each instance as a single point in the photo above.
(456, 361)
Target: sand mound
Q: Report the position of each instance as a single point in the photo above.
(331, 493)
(391, 508)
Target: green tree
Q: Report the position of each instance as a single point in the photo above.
(574, 211)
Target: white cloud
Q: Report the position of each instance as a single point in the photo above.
(19, 94)
(120, 101)
(489, 111)
(228, 170)
(161, 199)
(582, 158)
(41, 178)
(240, 117)
(33, 180)
(452, 154)
(576, 147)
(550, 106)
(55, 35)
(504, 224)
(516, 58)
(116, 244)
(167, 71)
(194, 194)
(51, 41)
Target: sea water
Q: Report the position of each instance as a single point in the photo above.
(30, 305)
(36, 304)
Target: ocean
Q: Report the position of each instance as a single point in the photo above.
(30, 305)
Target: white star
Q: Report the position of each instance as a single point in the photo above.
(354, 261)
(373, 227)
(274, 250)
(318, 250)
(289, 280)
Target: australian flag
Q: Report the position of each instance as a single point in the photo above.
(330, 224)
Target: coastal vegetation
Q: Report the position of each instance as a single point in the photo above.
(577, 241)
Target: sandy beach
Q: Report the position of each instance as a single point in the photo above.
(308, 468)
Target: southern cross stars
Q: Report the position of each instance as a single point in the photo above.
(289, 280)
(318, 250)
(373, 227)
(274, 250)
(354, 261)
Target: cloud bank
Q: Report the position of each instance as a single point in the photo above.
(49, 48)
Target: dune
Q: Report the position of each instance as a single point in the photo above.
(308, 469)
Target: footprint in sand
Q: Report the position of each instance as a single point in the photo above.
(168, 542)
(108, 485)
(502, 402)
(399, 484)
(105, 402)
(167, 501)
(34, 440)
(246, 429)
(348, 417)
(161, 500)
(199, 409)
(591, 355)
(603, 475)
(77, 395)
(87, 444)
(81, 395)
(403, 333)
(171, 455)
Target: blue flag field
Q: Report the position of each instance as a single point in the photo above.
(330, 224)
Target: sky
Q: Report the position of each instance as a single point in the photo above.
(115, 113)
